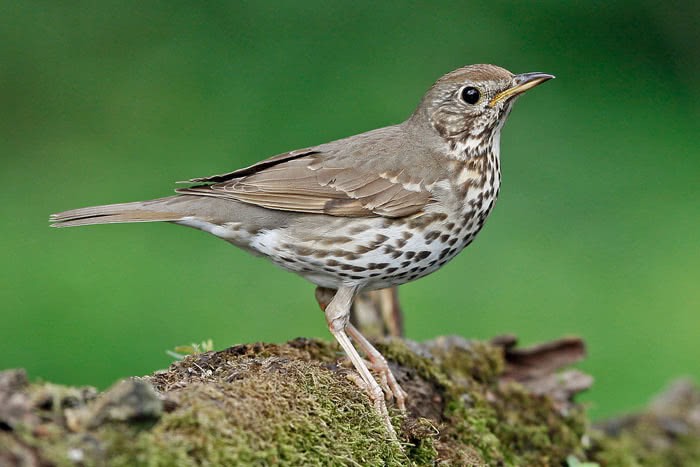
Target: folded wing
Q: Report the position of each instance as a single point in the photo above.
(319, 182)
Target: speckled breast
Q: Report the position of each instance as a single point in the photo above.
(378, 252)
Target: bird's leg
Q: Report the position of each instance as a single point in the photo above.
(376, 359)
(380, 364)
(337, 316)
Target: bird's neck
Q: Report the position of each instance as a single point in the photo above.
(478, 145)
(482, 139)
(475, 163)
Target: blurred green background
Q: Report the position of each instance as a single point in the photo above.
(596, 232)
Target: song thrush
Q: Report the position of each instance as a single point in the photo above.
(367, 212)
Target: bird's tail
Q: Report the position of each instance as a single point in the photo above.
(157, 210)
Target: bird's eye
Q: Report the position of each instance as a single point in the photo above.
(470, 95)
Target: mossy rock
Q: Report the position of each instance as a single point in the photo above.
(294, 404)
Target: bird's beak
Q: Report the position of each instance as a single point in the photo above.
(521, 83)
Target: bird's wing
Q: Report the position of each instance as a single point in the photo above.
(251, 169)
(321, 181)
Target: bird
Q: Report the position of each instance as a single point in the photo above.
(370, 211)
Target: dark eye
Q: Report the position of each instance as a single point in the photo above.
(470, 95)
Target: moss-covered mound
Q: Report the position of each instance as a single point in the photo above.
(294, 404)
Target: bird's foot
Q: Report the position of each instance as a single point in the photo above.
(377, 400)
(378, 363)
(387, 381)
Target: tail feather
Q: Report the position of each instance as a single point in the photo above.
(140, 211)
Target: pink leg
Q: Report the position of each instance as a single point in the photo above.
(380, 364)
(337, 315)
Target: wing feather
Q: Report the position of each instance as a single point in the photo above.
(322, 180)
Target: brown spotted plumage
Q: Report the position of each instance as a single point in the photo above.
(367, 212)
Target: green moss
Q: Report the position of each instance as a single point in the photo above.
(276, 412)
(512, 427)
(645, 443)
(293, 404)
(534, 430)
(398, 351)
(621, 452)
(486, 422)
(421, 435)
(467, 361)
(668, 434)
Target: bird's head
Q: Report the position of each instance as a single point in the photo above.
(472, 103)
